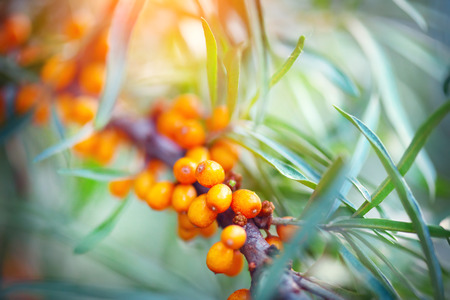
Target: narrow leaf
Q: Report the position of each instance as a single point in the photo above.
(211, 61)
(408, 201)
(233, 65)
(289, 62)
(125, 16)
(103, 230)
(413, 13)
(13, 124)
(99, 174)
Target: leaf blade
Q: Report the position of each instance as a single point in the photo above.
(98, 174)
(211, 61)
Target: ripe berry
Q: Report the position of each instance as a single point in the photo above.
(219, 258)
(87, 146)
(225, 152)
(187, 235)
(199, 214)
(209, 173)
(209, 231)
(120, 188)
(183, 221)
(218, 198)
(16, 28)
(233, 236)
(236, 264)
(58, 72)
(276, 241)
(169, 123)
(92, 77)
(42, 113)
(105, 146)
(75, 28)
(27, 96)
(160, 195)
(184, 170)
(219, 118)
(242, 294)
(142, 184)
(191, 134)
(83, 109)
(285, 232)
(101, 47)
(188, 106)
(182, 197)
(198, 154)
(246, 202)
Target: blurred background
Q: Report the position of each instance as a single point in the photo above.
(356, 51)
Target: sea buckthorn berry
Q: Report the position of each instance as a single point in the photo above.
(188, 106)
(183, 221)
(160, 195)
(236, 264)
(92, 77)
(225, 152)
(83, 109)
(64, 104)
(209, 231)
(17, 28)
(42, 113)
(218, 198)
(184, 170)
(120, 188)
(75, 28)
(219, 119)
(199, 214)
(87, 146)
(187, 235)
(209, 173)
(233, 236)
(142, 184)
(276, 241)
(155, 166)
(29, 54)
(285, 232)
(182, 197)
(246, 202)
(242, 294)
(169, 123)
(105, 146)
(191, 134)
(28, 96)
(101, 47)
(219, 258)
(198, 154)
(58, 72)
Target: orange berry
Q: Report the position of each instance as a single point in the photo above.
(233, 236)
(191, 134)
(219, 258)
(29, 54)
(285, 232)
(184, 222)
(87, 146)
(275, 240)
(155, 166)
(42, 113)
(75, 28)
(182, 197)
(17, 29)
(184, 170)
(242, 294)
(185, 234)
(209, 231)
(188, 106)
(83, 110)
(101, 47)
(236, 264)
(27, 97)
(198, 154)
(225, 152)
(246, 202)
(105, 147)
(92, 77)
(142, 184)
(120, 188)
(199, 214)
(64, 104)
(168, 123)
(219, 198)
(160, 195)
(219, 119)
(58, 72)
(209, 173)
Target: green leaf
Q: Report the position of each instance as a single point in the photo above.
(289, 62)
(386, 224)
(99, 174)
(413, 13)
(211, 61)
(233, 65)
(66, 143)
(103, 230)
(408, 201)
(320, 202)
(408, 157)
(13, 124)
(122, 24)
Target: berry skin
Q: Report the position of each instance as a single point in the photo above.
(285, 232)
(209, 173)
(120, 188)
(233, 236)
(27, 96)
(182, 197)
(105, 146)
(58, 73)
(184, 222)
(83, 110)
(276, 241)
(242, 294)
(236, 264)
(198, 154)
(87, 146)
(169, 123)
(188, 106)
(219, 119)
(219, 258)
(199, 214)
(225, 152)
(92, 78)
(16, 28)
(142, 184)
(209, 231)
(184, 170)
(42, 113)
(75, 28)
(160, 195)
(218, 198)
(246, 202)
(191, 134)
(187, 235)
